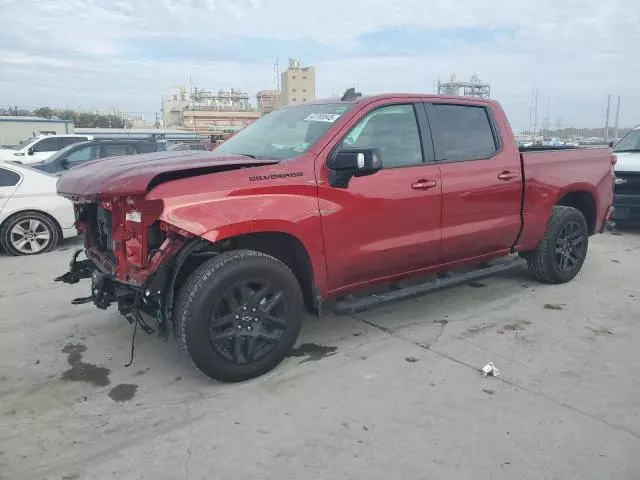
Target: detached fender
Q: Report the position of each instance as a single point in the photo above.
(226, 217)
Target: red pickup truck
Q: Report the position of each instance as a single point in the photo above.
(319, 200)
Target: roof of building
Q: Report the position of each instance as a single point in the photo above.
(15, 118)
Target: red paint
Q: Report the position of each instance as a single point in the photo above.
(395, 223)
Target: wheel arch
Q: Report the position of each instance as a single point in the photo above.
(584, 201)
(286, 247)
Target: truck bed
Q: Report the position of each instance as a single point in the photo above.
(546, 174)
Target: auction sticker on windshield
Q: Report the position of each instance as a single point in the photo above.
(322, 117)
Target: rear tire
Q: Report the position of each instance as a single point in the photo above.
(238, 315)
(563, 249)
(29, 233)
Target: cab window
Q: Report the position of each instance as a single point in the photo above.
(80, 155)
(51, 144)
(117, 149)
(393, 130)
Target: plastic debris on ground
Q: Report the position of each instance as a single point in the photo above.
(490, 369)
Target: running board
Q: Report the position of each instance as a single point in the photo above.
(353, 305)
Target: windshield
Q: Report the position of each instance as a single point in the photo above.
(629, 143)
(22, 144)
(285, 133)
(61, 153)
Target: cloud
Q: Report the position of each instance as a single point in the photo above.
(126, 54)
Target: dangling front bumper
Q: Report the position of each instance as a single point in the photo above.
(132, 300)
(77, 269)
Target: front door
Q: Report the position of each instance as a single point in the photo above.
(387, 223)
(481, 181)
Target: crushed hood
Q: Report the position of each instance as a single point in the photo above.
(137, 174)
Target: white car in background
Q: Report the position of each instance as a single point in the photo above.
(33, 218)
(38, 149)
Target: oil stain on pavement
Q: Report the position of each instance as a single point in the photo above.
(81, 371)
(313, 352)
(123, 392)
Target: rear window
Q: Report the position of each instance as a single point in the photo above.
(149, 147)
(66, 141)
(8, 178)
(115, 149)
(461, 132)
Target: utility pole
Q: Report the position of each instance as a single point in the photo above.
(157, 120)
(535, 111)
(615, 127)
(606, 123)
(276, 68)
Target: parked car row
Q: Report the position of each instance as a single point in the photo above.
(83, 152)
(33, 218)
(38, 149)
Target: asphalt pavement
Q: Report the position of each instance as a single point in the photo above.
(395, 392)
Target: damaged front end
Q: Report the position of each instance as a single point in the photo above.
(132, 259)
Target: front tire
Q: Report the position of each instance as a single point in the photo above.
(563, 249)
(29, 233)
(238, 315)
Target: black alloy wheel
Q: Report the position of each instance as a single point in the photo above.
(248, 320)
(563, 247)
(569, 246)
(238, 315)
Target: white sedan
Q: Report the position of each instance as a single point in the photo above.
(33, 218)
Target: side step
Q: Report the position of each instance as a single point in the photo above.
(353, 305)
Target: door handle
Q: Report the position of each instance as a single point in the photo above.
(423, 184)
(507, 176)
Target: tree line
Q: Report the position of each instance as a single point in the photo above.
(79, 119)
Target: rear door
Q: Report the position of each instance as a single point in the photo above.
(387, 223)
(9, 181)
(481, 181)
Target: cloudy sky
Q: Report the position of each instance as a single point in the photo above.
(126, 54)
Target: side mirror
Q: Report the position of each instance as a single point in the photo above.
(31, 151)
(611, 144)
(64, 163)
(352, 162)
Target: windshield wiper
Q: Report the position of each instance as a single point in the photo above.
(245, 155)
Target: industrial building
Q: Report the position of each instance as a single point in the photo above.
(268, 101)
(15, 129)
(473, 88)
(216, 115)
(298, 84)
(217, 123)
